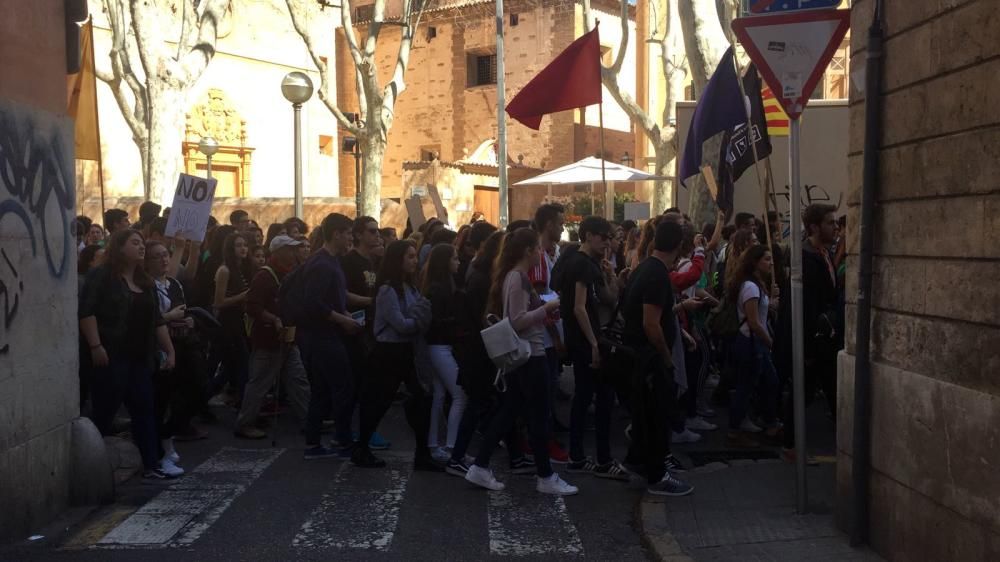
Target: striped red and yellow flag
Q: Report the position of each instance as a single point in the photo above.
(777, 119)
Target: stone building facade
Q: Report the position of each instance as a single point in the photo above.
(39, 396)
(448, 109)
(935, 494)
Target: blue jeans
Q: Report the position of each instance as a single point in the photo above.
(589, 388)
(332, 386)
(754, 368)
(527, 387)
(129, 381)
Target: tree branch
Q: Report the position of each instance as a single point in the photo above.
(301, 17)
(194, 62)
(397, 85)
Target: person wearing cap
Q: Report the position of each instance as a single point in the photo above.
(274, 350)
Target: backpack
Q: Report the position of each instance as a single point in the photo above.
(248, 321)
(724, 320)
(292, 298)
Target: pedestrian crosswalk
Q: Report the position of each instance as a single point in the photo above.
(352, 511)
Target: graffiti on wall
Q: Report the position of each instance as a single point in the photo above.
(37, 245)
(810, 194)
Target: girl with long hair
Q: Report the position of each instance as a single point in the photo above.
(401, 316)
(513, 298)
(232, 282)
(476, 370)
(749, 288)
(181, 390)
(121, 322)
(438, 286)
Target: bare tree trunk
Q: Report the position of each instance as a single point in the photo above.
(704, 40)
(166, 134)
(373, 148)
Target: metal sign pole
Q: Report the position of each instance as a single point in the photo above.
(798, 352)
(501, 121)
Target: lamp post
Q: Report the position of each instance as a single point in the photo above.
(297, 88)
(626, 159)
(208, 146)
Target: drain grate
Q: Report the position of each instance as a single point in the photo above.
(701, 458)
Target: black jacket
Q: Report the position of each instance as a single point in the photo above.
(819, 299)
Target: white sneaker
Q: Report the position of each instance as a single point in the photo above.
(173, 457)
(170, 469)
(698, 423)
(686, 436)
(555, 486)
(750, 427)
(483, 477)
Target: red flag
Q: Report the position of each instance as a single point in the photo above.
(571, 80)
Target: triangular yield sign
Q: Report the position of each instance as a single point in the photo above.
(793, 50)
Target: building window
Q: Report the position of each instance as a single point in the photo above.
(430, 153)
(482, 69)
(326, 147)
(364, 13)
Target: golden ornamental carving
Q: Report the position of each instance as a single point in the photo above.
(215, 117)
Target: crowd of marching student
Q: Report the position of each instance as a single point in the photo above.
(664, 320)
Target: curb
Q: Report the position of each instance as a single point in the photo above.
(655, 533)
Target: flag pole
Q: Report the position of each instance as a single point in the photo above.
(609, 198)
(501, 121)
(756, 157)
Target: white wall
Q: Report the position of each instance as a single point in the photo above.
(823, 171)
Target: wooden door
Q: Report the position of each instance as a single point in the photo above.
(487, 201)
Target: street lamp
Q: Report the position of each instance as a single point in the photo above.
(208, 146)
(626, 159)
(297, 88)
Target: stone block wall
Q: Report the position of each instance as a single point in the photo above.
(39, 394)
(936, 318)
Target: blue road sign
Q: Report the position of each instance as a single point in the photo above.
(774, 6)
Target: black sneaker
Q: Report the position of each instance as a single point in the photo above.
(426, 464)
(579, 467)
(457, 468)
(522, 466)
(674, 465)
(362, 457)
(612, 470)
(319, 452)
(670, 486)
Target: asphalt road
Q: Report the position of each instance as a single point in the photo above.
(244, 500)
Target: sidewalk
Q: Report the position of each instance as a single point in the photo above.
(746, 511)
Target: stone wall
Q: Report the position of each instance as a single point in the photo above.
(39, 394)
(936, 331)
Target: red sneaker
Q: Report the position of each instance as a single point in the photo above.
(556, 453)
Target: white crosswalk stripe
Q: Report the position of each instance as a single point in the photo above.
(523, 523)
(353, 517)
(180, 514)
(359, 511)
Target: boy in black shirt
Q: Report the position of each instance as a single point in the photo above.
(360, 272)
(649, 310)
(585, 280)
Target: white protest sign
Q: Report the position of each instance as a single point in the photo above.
(636, 211)
(191, 207)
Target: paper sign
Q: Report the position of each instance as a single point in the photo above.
(636, 211)
(416, 212)
(191, 207)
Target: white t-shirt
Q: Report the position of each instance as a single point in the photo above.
(750, 291)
